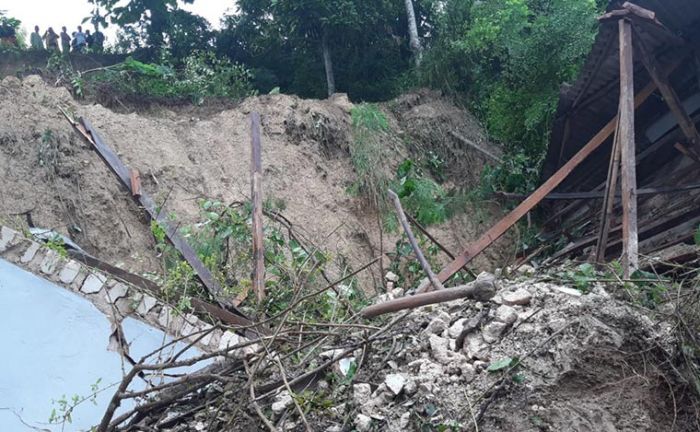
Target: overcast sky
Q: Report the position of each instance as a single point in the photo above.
(70, 13)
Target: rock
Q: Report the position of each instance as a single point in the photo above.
(147, 303)
(391, 277)
(93, 283)
(436, 326)
(361, 393)
(405, 420)
(410, 387)
(6, 237)
(456, 328)
(119, 290)
(476, 348)
(50, 262)
(390, 286)
(397, 292)
(569, 291)
(363, 423)
(493, 330)
(69, 272)
(518, 297)
(526, 269)
(29, 253)
(429, 371)
(282, 401)
(506, 314)
(468, 372)
(395, 383)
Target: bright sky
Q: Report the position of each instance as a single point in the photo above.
(70, 13)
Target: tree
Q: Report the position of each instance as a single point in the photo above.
(152, 15)
(416, 46)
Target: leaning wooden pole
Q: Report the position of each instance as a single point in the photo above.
(256, 196)
(630, 255)
(414, 244)
(609, 198)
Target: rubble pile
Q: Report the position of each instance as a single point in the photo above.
(538, 356)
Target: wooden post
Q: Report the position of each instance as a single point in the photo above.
(256, 196)
(414, 244)
(609, 198)
(671, 98)
(135, 178)
(630, 258)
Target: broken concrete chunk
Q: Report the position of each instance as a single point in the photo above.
(518, 297)
(50, 262)
(69, 272)
(391, 277)
(526, 269)
(363, 423)
(93, 283)
(456, 328)
(506, 314)
(282, 401)
(436, 326)
(405, 420)
(476, 348)
(361, 393)
(229, 339)
(395, 383)
(493, 330)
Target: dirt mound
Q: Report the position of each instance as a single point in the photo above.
(49, 171)
(539, 357)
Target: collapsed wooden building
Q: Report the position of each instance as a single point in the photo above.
(634, 110)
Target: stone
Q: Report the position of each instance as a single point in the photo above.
(397, 292)
(405, 420)
(206, 330)
(568, 291)
(456, 329)
(391, 277)
(361, 394)
(6, 237)
(436, 326)
(147, 303)
(229, 339)
(518, 297)
(119, 290)
(526, 269)
(50, 262)
(440, 350)
(30, 253)
(363, 423)
(506, 314)
(493, 330)
(390, 286)
(69, 272)
(395, 383)
(282, 401)
(468, 372)
(410, 387)
(475, 347)
(93, 283)
(168, 318)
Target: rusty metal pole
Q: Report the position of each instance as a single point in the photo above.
(630, 258)
(256, 196)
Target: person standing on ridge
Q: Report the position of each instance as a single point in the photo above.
(80, 40)
(89, 39)
(65, 40)
(98, 40)
(51, 40)
(35, 40)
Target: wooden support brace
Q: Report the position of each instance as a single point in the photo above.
(630, 254)
(670, 96)
(256, 195)
(609, 199)
(414, 244)
(530, 202)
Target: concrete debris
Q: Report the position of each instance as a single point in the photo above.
(93, 283)
(69, 272)
(361, 394)
(391, 277)
(492, 331)
(363, 423)
(457, 327)
(282, 401)
(395, 383)
(506, 314)
(520, 297)
(569, 291)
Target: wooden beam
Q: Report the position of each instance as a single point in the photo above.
(475, 146)
(482, 289)
(256, 196)
(414, 244)
(670, 96)
(135, 178)
(609, 198)
(630, 238)
(495, 232)
(564, 196)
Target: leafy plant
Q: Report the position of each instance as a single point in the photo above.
(420, 195)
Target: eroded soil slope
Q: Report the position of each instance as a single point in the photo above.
(47, 169)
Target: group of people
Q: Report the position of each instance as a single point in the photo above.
(77, 42)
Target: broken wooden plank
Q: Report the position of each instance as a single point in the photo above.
(135, 178)
(687, 152)
(609, 199)
(257, 213)
(482, 289)
(414, 244)
(565, 196)
(123, 174)
(495, 232)
(628, 173)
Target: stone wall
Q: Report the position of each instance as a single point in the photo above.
(115, 298)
